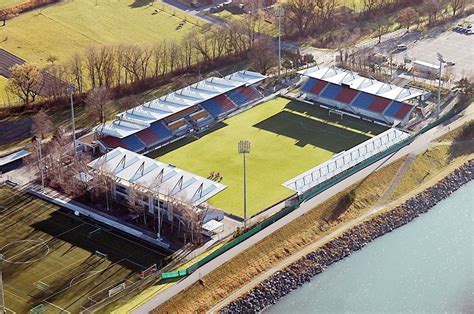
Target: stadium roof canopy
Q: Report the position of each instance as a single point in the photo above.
(142, 116)
(345, 160)
(355, 81)
(131, 168)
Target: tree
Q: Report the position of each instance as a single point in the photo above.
(382, 26)
(96, 102)
(457, 5)
(262, 55)
(7, 13)
(465, 87)
(286, 64)
(26, 82)
(301, 15)
(406, 17)
(41, 124)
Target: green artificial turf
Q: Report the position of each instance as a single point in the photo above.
(49, 258)
(287, 138)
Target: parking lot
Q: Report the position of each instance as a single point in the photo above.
(455, 47)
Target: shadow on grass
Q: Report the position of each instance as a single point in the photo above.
(463, 143)
(140, 3)
(307, 131)
(132, 254)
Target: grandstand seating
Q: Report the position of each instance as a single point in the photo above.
(331, 91)
(112, 142)
(363, 101)
(161, 131)
(380, 104)
(347, 95)
(181, 114)
(398, 110)
(133, 143)
(244, 95)
(314, 86)
(218, 106)
(148, 137)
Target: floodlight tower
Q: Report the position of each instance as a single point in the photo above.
(40, 161)
(244, 148)
(441, 61)
(70, 91)
(279, 12)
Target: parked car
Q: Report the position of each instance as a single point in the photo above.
(400, 48)
(450, 63)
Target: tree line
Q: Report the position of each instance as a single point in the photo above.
(138, 67)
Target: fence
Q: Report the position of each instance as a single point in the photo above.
(304, 197)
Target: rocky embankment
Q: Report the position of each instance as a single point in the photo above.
(300, 272)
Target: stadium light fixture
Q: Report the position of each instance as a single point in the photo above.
(70, 92)
(279, 12)
(441, 61)
(244, 149)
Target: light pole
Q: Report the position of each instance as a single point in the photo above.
(244, 148)
(441, 61)
(40, 161)
(279, 12)
(70, 91)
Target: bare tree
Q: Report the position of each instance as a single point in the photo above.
(7, 13)
(382, 26)
(96, 104)
(457, 6)
(41, 124)
(26, 82)
(76, 71)
(406, 17)
(301, 14)
(262, 55)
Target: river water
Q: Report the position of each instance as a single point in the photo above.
(425, 266)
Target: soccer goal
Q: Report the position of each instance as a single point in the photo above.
(337, 113)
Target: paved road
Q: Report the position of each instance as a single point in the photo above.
(418, 146)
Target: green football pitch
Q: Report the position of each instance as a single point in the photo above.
(287, 138)
(58, 263)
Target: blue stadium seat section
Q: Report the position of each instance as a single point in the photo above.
(331, 91)
(237, 97)
(161, 131)
(363, 101)
(308, 86)
(393, 109)
(218, 106)
(133, 143)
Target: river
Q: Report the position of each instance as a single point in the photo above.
(424, 266)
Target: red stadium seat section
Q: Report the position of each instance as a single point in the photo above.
(380, 104)
(347, 95)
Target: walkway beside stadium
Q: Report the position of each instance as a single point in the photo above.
(422, 143)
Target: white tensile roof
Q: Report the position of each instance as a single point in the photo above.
(160, 108)
(357, 82)
(345, 160)
(156, 176)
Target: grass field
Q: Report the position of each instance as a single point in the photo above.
(7, 3)
(49, 258)
(73, 26)
(287, 138)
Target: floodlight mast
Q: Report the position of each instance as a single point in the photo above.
(441, 61)
(279, 12)
(70, 91)
(244, 148)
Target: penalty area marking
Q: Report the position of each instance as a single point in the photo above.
(39, 243)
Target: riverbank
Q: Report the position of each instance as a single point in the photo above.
(283, 282)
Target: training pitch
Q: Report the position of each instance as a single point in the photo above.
(57, 263)
(287, 138)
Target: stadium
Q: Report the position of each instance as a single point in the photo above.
(338, 119)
